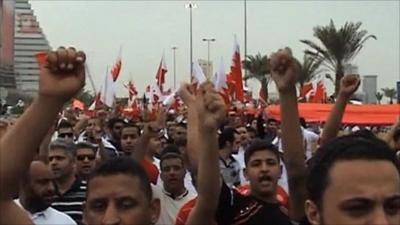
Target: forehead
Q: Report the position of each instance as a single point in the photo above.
(172, 162)
(241, 129)
(262, 155)
(38, 169)
(57, 152)
(117, 186)
(360, 178)
(81, 151)
(130, 130)
(65, 129)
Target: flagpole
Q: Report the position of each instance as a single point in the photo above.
(174, 50)
(191, 6)
(245, 38)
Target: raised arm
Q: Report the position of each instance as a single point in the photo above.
(284, 72)
(210, 109)
(61, 77)
(348, 85)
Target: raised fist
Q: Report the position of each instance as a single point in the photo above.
(62, 74)
(284, 69)
(349, 84)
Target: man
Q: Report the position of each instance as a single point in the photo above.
(261, 206)
(345, 187)
(115, 126)
(243, 136)
(85, 159)
(180, 132)
(36, 195)
(65, 130)
(229, 142)
(129, 135)
(244, 142)
(172, 193)
(71, 190)
(62, 75)
(310, 139)
(119, 192)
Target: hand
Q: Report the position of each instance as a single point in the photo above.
(348, 85)
(97, 134)
(63, 74)
(186, 95)
(284, 70)
(151, 129)
(210, 107)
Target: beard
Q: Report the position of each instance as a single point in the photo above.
(37, 204)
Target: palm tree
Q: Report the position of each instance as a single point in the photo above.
(85, 96)
(258, 68)
(379, 97)
(389, 93)
(309, 69)
(339, 47)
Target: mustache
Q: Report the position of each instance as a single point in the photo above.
(265, 177)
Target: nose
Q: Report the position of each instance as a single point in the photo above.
(50, 187)
(111, 216)
(379, 217)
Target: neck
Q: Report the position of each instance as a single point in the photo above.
(225, 153)
(65, 183)
(176, 192)
(29, 205)
(265, 198)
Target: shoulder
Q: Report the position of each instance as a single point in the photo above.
(60, 217)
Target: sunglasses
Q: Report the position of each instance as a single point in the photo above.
(83, 157)
(66, 135)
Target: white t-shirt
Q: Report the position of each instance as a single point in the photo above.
(310, 138)
(49, 216)
(169, 206)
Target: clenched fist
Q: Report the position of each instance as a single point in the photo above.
(63, 74)
(284, 69)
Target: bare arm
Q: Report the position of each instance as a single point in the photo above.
(211, 111)
(57, 84)
(348, 86)
(284, 73)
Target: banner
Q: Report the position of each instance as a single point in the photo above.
(354, 114)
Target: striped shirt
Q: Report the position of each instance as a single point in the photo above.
(71, 202)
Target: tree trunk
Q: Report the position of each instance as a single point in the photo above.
(264, 89)
(338, 76)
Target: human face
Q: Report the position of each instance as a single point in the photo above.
(116, 130)
(272, 126)
(180, 133)
(122, 202)
(357, 193)
(244, 136)
(173, 174)
(263, 171)
(85, 161)
(129, 136)
(40, 189)
(92, 124)
(154, 145)
(254, 124)
(60, 163)
(66, 133)
(236, 143)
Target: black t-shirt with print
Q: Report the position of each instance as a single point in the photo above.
(237, 209)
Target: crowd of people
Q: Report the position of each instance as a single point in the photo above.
(207, 167)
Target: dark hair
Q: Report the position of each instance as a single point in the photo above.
(181, 124)
(64, 124)
(345, 148)
(122, 166)
(67, 146)
(131, 125)
(170, 155)
(113, 121)
(260, 145)
(251, 130)
(303, 122)
(227, 135)
(272, 120)
(396, 134)
(85, 144)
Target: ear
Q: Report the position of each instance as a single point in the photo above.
(155, 210)
(312, 212)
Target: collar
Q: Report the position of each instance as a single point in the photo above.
(179, 197)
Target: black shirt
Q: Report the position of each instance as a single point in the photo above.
(237, 209)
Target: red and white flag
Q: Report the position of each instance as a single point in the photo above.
(107, 92)
(161, 71)
(236, 72)
(198, 75)
(318, 94)
(307, 87)
(220, 77)
(132, 92)
(116, 69)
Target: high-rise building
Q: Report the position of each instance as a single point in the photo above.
(369, 87)
(207, 67)
(28, 41)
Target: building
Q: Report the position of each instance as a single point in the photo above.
(21, 39)
(369, 89)
(28, 41)
(207, 67)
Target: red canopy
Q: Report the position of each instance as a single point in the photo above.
(354, 114)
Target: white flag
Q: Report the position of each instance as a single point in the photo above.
(107, 90)
(220, 80)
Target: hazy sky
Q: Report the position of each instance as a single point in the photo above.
(145, 29)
